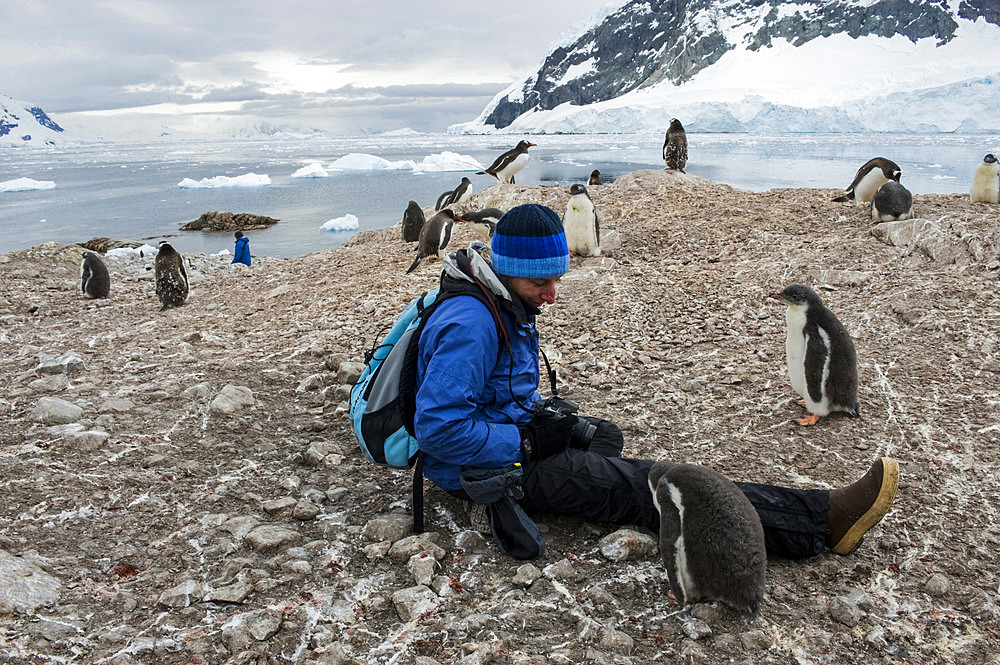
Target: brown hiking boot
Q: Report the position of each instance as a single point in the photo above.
(858, 507)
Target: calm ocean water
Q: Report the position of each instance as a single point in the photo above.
(129, 191)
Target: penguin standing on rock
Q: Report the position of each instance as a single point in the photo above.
(986, 181)
(711, 538)
(595, 178)
(455, 196)
(509, 163)
(675, 146)
(822, 362)
(171, 278)
(96, 282)
(892, 202)
(434, 236)
(413, 221)
(583, 232)
(483, 222)
(873, 174)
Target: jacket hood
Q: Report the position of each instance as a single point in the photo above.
(469, 266)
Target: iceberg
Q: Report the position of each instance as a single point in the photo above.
(346, 223)
(357, 161)
(314, 170)
(245, 180)
(447, 161)
(25, 185)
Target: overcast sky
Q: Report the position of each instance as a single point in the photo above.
(342, 66)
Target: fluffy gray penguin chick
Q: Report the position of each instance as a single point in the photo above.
(711, 538)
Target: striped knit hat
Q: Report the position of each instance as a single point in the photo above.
(529, 242)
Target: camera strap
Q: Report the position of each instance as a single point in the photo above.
(548, 370)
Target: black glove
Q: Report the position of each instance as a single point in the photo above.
(546, 434)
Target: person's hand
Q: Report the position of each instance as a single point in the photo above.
(546, 434)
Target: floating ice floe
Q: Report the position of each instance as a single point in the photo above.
(245, 180)
(25, 185)
(447, 161)
(346, 223)
(314, 170)
(359, 161)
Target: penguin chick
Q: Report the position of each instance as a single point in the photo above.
(892, 202)
(171, 278)
(873, 174)
(822, 362)
(95, 280)
(509, 163)
(986, 181)
(583, 232)
(483, 222)
(413, 221)
(711, 538)
(434, 236)
(675, 146)
(595, 178)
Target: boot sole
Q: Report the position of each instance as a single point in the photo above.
(878, 509)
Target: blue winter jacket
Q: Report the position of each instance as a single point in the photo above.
(469, 384)
(242, 251)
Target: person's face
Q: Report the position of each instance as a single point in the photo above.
(536, 291)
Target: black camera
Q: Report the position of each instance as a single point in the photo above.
(560, 407)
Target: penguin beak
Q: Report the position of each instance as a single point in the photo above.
(776, 296)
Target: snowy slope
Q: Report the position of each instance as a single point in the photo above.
(777, 65)
(25, 123)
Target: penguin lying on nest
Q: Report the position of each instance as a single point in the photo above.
(822, 362)
(711, 538)
(873, 174)
(892, 202)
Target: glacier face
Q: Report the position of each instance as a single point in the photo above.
(765, 66)
(25, 123)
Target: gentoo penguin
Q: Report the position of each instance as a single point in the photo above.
(413, 221)
(892, 202)
(483, 222)
(711, 538)
(583, 232)
(509, 163)
(675, 146)
(171, 278)
(873, 174)
(96, 282)
(986, 181)
(595, 178)
(822, 362)
(443, 200)
(461, 193)
(434, 236)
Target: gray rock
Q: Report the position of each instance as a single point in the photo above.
(269, 538)
(377, 550)
(410, 603)
(844, 611)
(243, 629)
(696, 629)
(117, 405)
(615, 640)
(240, 526)
(312, 382)
(937, 585)
(234, 593)
(628, 545)
(390, 527)
(182, 595)
(68, 363)
(232, 399)
(55, 411)
(197, 391)
(422, 567)
(87, 441)
(422, 543)
(756, 640)
(560, 570)
(52, 383)
(526, 575)
(349, 372)
(24, 587)
(278, 505)
(333, 361)
(305, 509)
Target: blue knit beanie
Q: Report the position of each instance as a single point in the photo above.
(529, 242)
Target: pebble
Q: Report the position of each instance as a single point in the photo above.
(232, 399)
(182, 595)
(268, 538)
(421, 543)
(278, 505)
(560, 570)
(696, 629)
(414, 601)
(844, 611)
(422, 567)
(526, 575)
(305, 510)
(67, 363)
(87, 441)
(937, 585)
(49, 384)
(390, 527)
(24, 587)
(628, 545)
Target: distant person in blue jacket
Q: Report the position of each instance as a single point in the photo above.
(242, 251)
(477, 396)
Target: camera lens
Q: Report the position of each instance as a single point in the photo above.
(583, 434)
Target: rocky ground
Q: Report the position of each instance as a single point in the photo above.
(183, 486)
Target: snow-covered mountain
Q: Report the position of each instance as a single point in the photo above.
(765, 66)
(26, 123)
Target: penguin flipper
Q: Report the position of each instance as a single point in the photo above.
(447, 236)
(597, 229)
(441, 201)
(817, 351)
(844, 198)
(413, 266)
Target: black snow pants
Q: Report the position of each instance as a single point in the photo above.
(599, 485)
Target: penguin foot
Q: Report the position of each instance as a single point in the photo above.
(811, 419)
(801, 402)
(855, 509)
